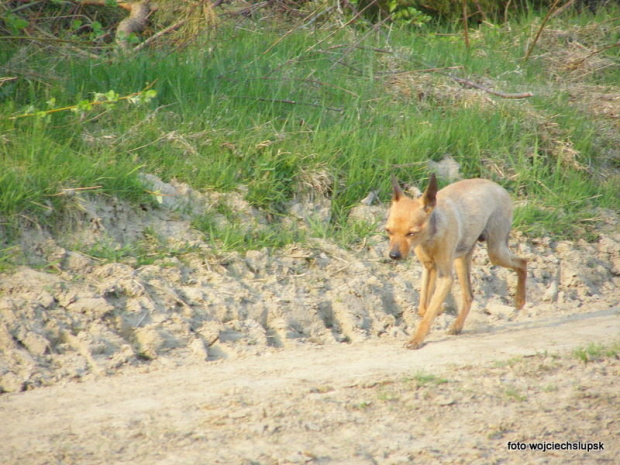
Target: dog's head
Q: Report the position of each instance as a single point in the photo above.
(408, 221)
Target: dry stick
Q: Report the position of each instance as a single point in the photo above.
(319, 42)
(77, 50)
(73, 190)
(465, 27)
(7, 79)
(311, 81)
(154, 37)
(529, 51)
(413, 71)
(506, 11)
(293, 102)
(303, 24)
(481, 11)
(124, 5)
(362, 39)
(486, 89)
(473, 84)
(563, 8)
(577, 63)
(135, 22)
(30, 3)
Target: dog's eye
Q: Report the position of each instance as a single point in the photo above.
(411, 233)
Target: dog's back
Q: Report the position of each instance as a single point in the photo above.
(482, 208)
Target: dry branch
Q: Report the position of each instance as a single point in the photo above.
(467, 83)
(596, 52)
(542, 26)
(135, 22)
(154, 37)
(465, 25)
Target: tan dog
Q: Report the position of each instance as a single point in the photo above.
(442, 228)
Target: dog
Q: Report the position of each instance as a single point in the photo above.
(442, 228)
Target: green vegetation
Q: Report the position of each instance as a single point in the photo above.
(423, 379)
(515, 395)
(274, 108)
(595, 352)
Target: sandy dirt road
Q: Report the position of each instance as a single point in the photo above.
(458, 400)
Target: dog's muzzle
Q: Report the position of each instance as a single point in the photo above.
(395, 255)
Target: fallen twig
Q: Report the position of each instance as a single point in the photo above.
(413, 71)
(70, 191)
(579, 62)
(294, 102)
(156, 36)
(465, 82)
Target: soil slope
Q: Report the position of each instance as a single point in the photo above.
(295, 355)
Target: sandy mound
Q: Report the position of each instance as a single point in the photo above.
(85, 316)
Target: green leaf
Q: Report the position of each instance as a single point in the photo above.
(84, 105)
(111, 96)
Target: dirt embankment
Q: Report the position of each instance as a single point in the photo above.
(296, 356)
(90, 317)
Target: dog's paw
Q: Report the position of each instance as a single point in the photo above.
(454, 330)
(413, 344)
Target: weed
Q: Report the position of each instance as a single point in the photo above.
(514, 394)
(509, 362)
(388, 395)
(7, 258)
(595, 352)
(424, 379)
(233, 235)
(365, 405)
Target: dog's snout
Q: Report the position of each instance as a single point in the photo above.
(395, 255)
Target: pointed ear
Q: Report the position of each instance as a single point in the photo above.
(429, 198)
(398, 193)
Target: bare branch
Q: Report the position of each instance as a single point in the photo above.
(467, 83)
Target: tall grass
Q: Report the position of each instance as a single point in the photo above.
(258, 109)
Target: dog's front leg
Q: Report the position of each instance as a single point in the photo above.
(429, 273)
(463, 272)
(443, 285)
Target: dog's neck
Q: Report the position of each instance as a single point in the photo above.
(432, 224)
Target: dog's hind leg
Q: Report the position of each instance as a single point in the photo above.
(463, 272)
(499, 254)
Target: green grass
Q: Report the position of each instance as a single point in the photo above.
(423, 379)
(594, 352)
(240, 112)
(149, 249)
(515, 395)
(231, 236)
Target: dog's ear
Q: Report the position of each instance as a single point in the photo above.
(429, 199)
(398, 193)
